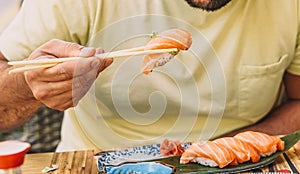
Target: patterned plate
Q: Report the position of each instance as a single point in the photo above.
(139, 153)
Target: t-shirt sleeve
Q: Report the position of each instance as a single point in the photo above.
(294, 67)
(39, 21)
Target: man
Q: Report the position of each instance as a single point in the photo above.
(230, 79)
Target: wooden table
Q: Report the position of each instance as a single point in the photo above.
(84, 162)
(77, 162)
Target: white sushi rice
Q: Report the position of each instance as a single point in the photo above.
(164, 58)
(273, 150)
(205, 161)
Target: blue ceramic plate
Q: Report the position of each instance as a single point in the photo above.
(140, 167)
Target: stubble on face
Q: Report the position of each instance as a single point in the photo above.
(208, 5)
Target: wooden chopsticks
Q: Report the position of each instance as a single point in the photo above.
(26, 65)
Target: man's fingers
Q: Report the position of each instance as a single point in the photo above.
(64, 84)
(104, 64)
(60, 102)
(66, 70)
(87, 52)
(66, 99)
(46, 90)
(58, 48)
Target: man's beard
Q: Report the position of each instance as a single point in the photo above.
(208, 5)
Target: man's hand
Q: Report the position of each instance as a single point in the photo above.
(62, 86)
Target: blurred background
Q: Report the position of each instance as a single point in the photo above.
(42, 131)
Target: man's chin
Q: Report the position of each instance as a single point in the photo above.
(208, 5)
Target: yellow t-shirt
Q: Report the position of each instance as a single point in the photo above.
(229, 78)
(8, 10)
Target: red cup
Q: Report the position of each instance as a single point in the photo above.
(12, 153)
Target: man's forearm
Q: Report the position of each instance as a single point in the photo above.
(16, 100)
(283, 120)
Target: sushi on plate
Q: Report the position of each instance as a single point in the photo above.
(242, 150)
(232, 150)
(265, 144)
(208, 153)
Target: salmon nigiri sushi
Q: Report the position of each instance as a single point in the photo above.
(173, 38)
(265, 144)
(208, 153)
(242, 150)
